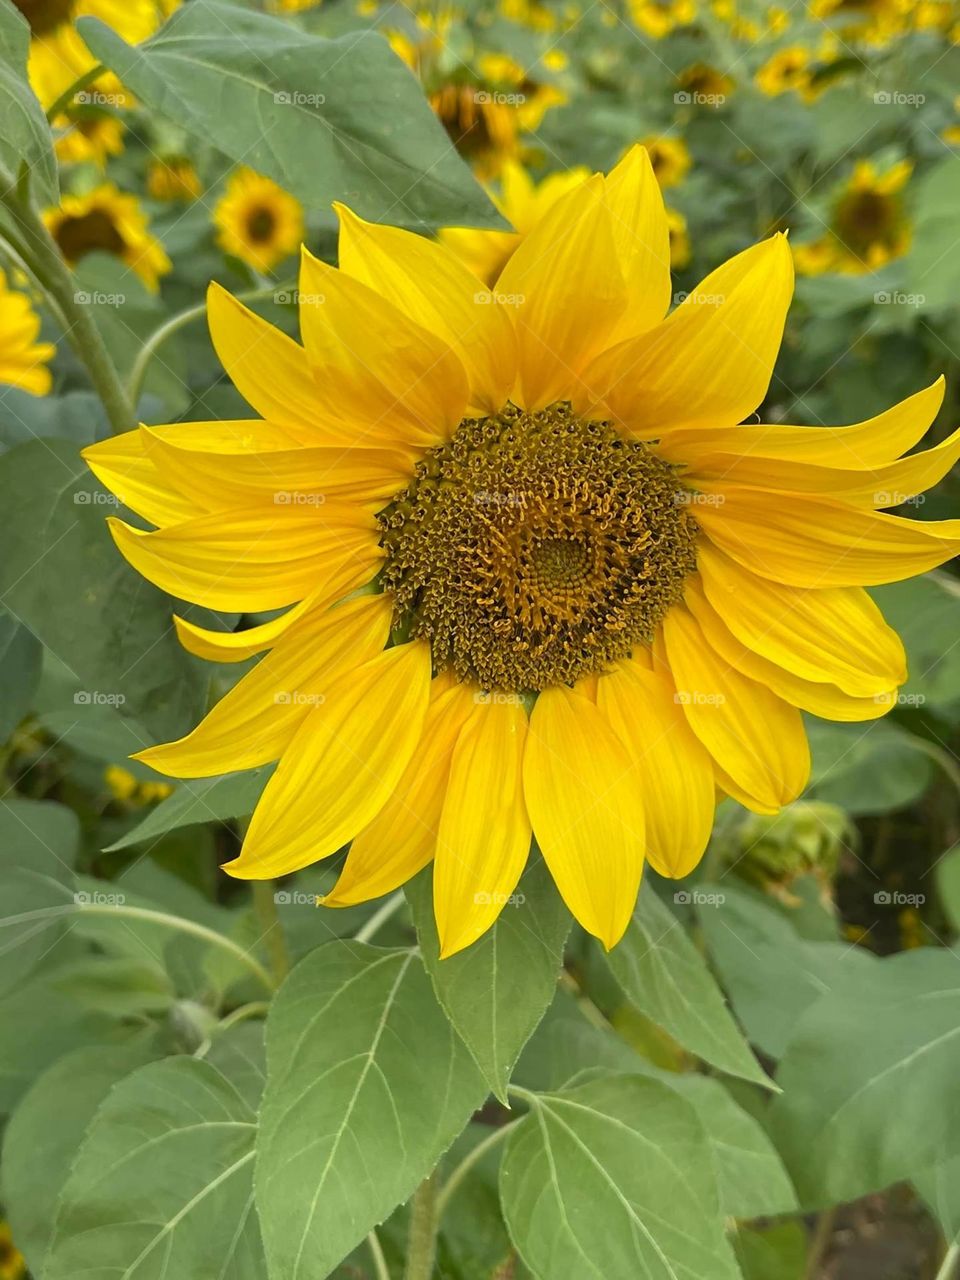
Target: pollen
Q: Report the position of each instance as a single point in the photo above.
(536, 548)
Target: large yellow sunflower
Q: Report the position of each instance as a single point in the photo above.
(257, 221)
(538, 583)
(23, 360)
(106, 220)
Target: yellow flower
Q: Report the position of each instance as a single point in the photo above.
(523, 203)
(670, 159)
(485, 122)
(88, 138)
(868, 226)
(679, 239)
(123, 786)
(606, 598)
(13, 1265)
(658, 18)
(173, 178)
(23, 360)
(703, 85)
(788, 69)
(257, 221)
(533, 14)
(875, 21)
(106, 220)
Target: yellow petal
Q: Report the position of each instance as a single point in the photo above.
(672, 771)
(402, 837)
(255, 721)
(484, 834)
(237, 646)
(120, 464)
(818, 697)
(811, 542)
(834, 634)
(868, 444)
(380, 377)
(586, 812)
(269, 369)
(642, 237)
(342, 765)
(754, 736)
(429, 283)
(255, 558)
(304, 476)
(710, 361)
(567, 292)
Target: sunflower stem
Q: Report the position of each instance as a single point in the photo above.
(178, 322)
(272, 935)
(376, 1253)
(449, 1188)
(42, 258)
(380, 917)
(422, 1237)
(59, 105)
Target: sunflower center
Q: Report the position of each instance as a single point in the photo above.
(866, 216)
(45, 16)
(82, 235)
(260, 225)
(536, 548)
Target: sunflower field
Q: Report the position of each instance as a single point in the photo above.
(479, 640)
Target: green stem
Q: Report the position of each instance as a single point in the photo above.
(272, 935)
(822, 1234)
(380, 917)
(422, 1237)
(949, 1263)
(60, 104)
(255, 1009)
(42, 257)
(449, 1188)
(379, 1261)
(178, 322)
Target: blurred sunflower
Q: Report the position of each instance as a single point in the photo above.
(128, 789)
(670, 159)
(23, 360)
(523, 203)
(659, 18)
(605, 598)
(257, 221)
(13, 1265)
(869, 225)
(874, 21)
(485, 120)
(106, 220)
(88, 137)
(679, 239)
(704, 85)
(788, 69)
(173, 178)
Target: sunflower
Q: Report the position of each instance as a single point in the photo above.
(23, 360)
(257, 221)
(88, 137)
(869, 225)
(670, 159)
(523, 203)
(106, 220)
(13, 1265)
(659, 18)
(537, 581)
(702, 84)
(787, 69)
(679, 239)
(173, 178)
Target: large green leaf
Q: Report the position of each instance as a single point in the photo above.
(926, 613)
(21, 657)
(25, 136)
(496, 991)
(663, 974)
(871, 1091)
(329, 119)
(38, 835)
(43, 1137)
(769, 971)
(204, 800)
(873, 768)
(61, 573)
(614, 1178)
(163, 1184)
(367, 1085)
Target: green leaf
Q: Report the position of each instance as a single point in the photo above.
(43, 1137)
(948, 885)
(61, 573)
(367, 1085)
(777, 1252)
(40, 835)
(769, 971)
(163, 1182)
(25, 136)
(876, 768)
(614, 1178)
(328, 119)
(666, 978)
(870, 1086)
(926, 614)
(21, 657)
(495, 992)
(206, 800)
